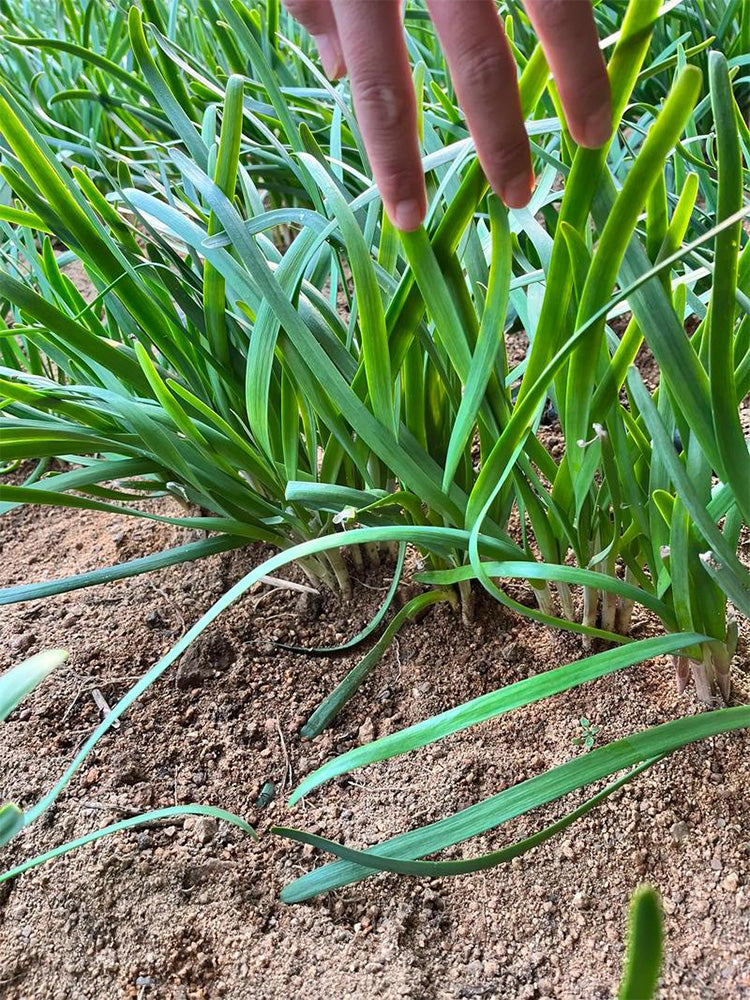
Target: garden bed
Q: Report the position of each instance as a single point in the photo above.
(188, 910)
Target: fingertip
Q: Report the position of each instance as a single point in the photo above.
(407, 214)
(331, 55)
(516, 193)
(595, 129)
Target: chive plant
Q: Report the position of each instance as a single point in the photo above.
(212, 366)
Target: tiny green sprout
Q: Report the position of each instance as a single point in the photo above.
(588, 734)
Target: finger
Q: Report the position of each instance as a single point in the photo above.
(317, 17)
(373, 45)
(484, 75)
(568, 35)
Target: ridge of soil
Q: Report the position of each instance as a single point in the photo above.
(190, 910)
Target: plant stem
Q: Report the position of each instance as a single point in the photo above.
(468, 601)
(720, 660)
(336, 559)
(681, 671)
(703, 676)
(372, 553)
(566, 600)
(355, 551)
(625, 607)
(544, 599)
(590, 612)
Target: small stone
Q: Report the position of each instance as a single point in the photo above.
(366, 732)
(21, 643)
(202, 659)
(678, 831)
(205, 829)
(731, 882)
(511, 652)
(716, 864)
(144, 840)
(154, 619)
(580, 901)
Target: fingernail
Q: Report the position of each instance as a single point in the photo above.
(407, 215)
(597, 128)
(331, 55)
(517, 191)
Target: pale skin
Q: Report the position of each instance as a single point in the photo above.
(364, 38)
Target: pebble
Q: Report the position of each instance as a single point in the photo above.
(366, 732)
(731, 882)
(20, 643)
(678, 831)
(205, 829)
(580, 901)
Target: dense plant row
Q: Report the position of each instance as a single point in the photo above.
(214, 186)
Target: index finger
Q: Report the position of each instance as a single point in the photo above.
(373, 46)
(568, 35)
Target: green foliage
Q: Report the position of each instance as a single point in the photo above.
(644, 947)
(213, 187)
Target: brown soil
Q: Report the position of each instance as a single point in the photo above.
(188, 911)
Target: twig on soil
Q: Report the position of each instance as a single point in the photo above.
(169, 600)
(279, 584)
(101, 704)
(369, 586)
(288, 774)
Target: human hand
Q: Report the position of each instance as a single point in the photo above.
(365, 38)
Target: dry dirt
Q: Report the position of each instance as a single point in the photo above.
(183, 910)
